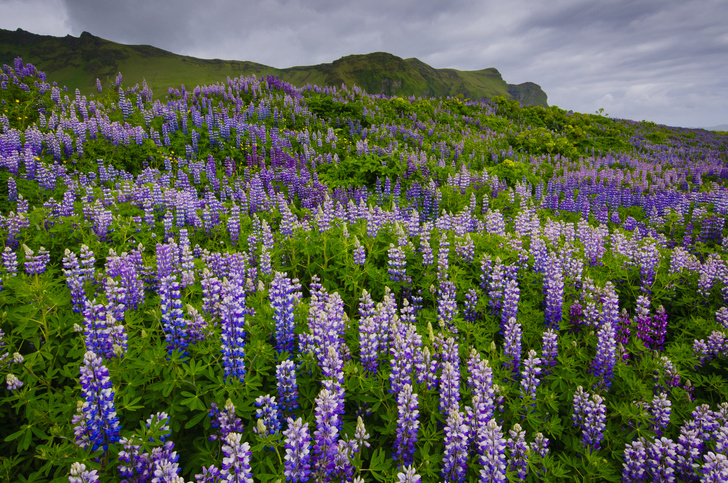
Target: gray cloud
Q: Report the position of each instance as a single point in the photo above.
(660, 60)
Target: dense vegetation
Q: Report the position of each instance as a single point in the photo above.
(249, 279)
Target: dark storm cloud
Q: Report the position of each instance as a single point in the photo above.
(660, 60)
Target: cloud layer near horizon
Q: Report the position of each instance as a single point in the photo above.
(659, 60)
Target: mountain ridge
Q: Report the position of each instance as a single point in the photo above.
(76, 62)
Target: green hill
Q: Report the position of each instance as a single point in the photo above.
(77, 62)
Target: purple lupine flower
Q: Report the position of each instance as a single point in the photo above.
(648, 257)
(284, 295)
(74, 280)
(554, 290)
(326, 435)
(269, 420)
(689, 450)
(492, 446)
(402, 352)
(287, 387)
(397, 263)
(233, 330)
(236, 460)
(369, 343)
(96, 423)
(721, 316)
(10, 261)
(603, 364)
(79, 474)
(540, 445)
(549, 351)
(447, 305)
(407, 426)
(224, 421)
(480, 380)
(529, 375)
(359, 252)
(660, 413)
(298, 451)
(12, 382)
(510, 302)
(97, 331)
(173, 321)
(661, 459)
(455, 460)
(715, 468)
(428, 257)
(408, 475)
(590, 416)
(512, 346)
(449, 386)
(443, 258)
(518, 452)
(471, 304)
(635, 462)
(36, 264)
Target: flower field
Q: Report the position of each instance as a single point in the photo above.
(251, 281)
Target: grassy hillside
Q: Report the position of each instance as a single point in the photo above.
(78, 62)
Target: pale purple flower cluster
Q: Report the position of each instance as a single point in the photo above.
(236, 460)
(359, 253)
(518, 451)
(492, 449)
(269, 418)
(457, 434)
(512, 348)
(297, 460)
(397, 263)
(529, 375)
(233, 330)
(79, 474)
(589, 416)
(284, 295)
(407, 425)
(287, 386)
(224, 421)
(549, 351)
(35, 264)
(96, 423)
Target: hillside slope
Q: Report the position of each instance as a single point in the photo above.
(77, 62)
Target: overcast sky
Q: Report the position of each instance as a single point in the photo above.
(660, 60)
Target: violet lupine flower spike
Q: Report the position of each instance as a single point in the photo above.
(224, 421)
(455, 460)
(287, 386)
(492, 454)
(79, 474)
(96, 422)
(236, 460)
(298, 451)
(590, 416)
(407, 426)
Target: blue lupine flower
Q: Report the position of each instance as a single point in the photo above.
(269, 420)
(233, 330)
(224, 421)
(518, 452)
(96, 424)
(326, 434)
(287, 387)
(407, 426)
(236, 460)
(492, 449)
(284, 294)
(455, 460)
(79, 474)
(298, 451)
(590, 416)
